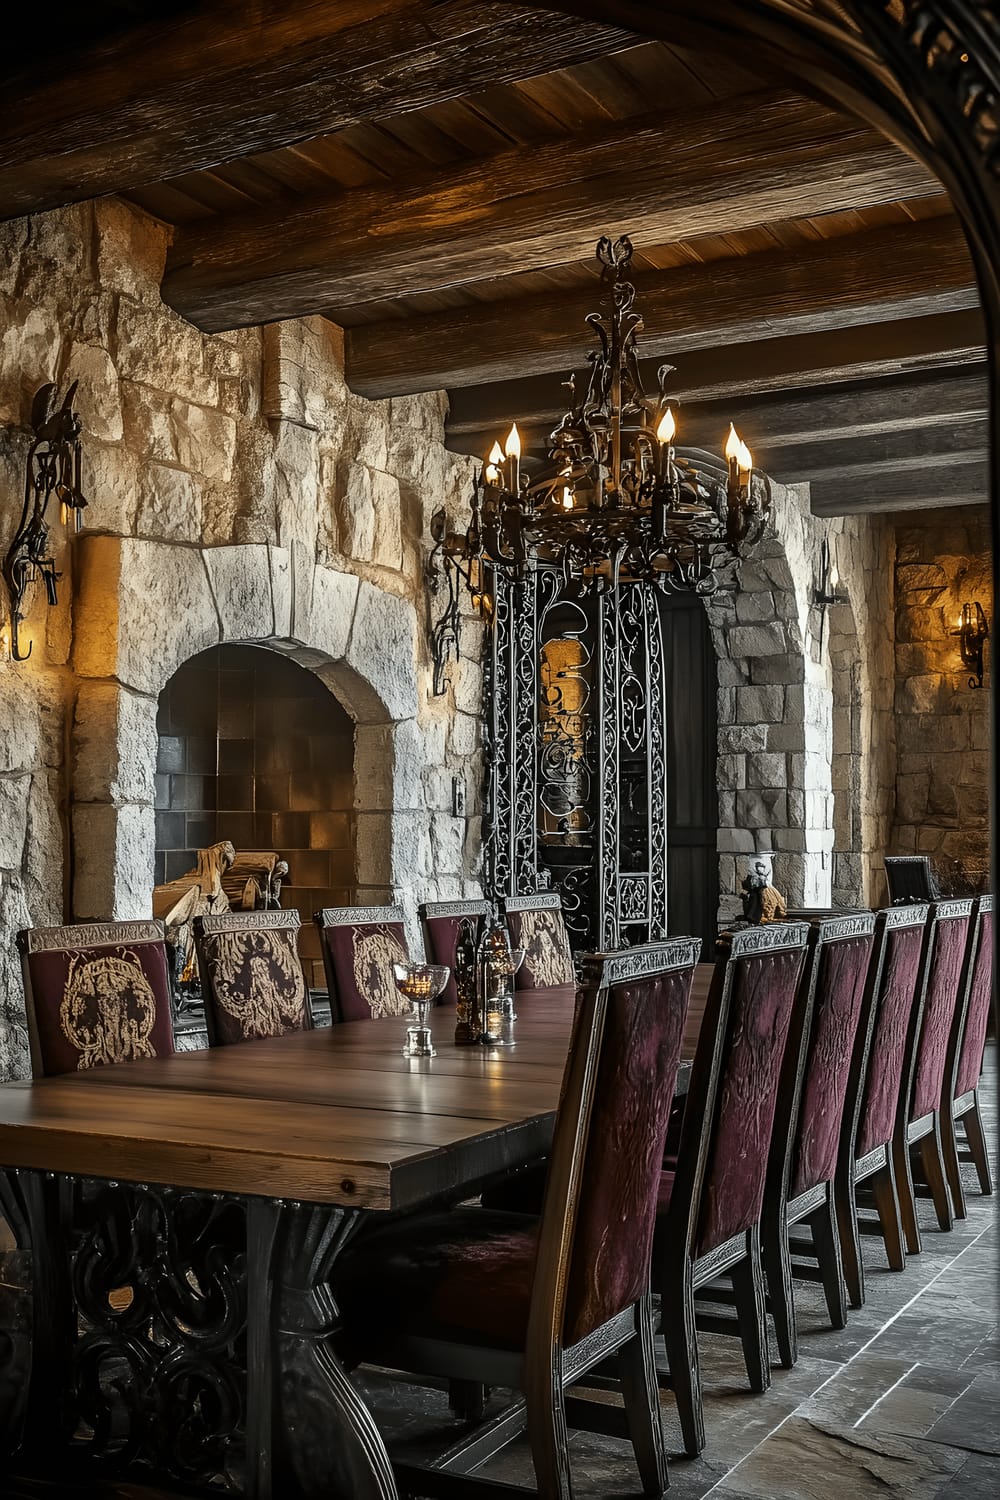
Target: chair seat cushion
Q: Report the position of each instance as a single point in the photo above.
(464, 1276)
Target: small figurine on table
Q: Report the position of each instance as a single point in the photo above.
(761, 902)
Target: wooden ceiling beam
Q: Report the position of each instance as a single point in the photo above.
(905, 271)
(735, 375)
(963, 480)
(227, 79)
(667, 177)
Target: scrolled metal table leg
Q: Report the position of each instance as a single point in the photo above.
(328, 1437)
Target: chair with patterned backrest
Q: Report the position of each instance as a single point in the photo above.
(360, 946)
(536, 924)
(96, 992)
(534, 1302)
(960, 1099)
(916, 1140)
(881, 1063)
(910, 877)
(805, 1147)
(440, 921)
(708, 1224)
(251, 978)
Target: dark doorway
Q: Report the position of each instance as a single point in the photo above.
(692, 796)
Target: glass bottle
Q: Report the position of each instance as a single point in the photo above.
(494, 950)
(467, 1024)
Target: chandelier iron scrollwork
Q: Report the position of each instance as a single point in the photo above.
(616, 503)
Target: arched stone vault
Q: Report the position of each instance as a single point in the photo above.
(145, 607)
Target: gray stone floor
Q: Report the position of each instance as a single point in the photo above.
(903, 1402)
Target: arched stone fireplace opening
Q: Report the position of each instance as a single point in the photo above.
(253, 748)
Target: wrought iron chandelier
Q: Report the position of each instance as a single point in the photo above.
(616, 502)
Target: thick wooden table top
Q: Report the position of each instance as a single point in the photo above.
(329, 1116)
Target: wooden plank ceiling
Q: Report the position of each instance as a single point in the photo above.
(425, 177)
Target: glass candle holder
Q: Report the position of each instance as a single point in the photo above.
(421, 984)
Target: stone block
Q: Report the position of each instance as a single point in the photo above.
(766, 770)
(920, 623)
(98, 399)
(280, 565)
(30, 348)
(114, 744)
(920, 694)
(44, 855)
(785, 736)
(382, 655)
(941, 734)
(731, 772)
(448, 844)
(113, 861)
(31, 719)
(171, 430)
(755, 608)
(743, 739)
(131, 249)
(159, 349)
(757, 640)
(766, 808)
(240, 579)
(760, 705)
(14, 790)
(170, 504)
(323, 606)
(789, 839)
(764, 670)
(735, 841)
(463, 741)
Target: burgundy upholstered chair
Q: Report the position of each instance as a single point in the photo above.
(252, 981)
(440, 921)
(881, 1065)
(360, 946)
(916, 1141)
(708, 1222)
(96, 992)
(960, 1101)
(807, 1128)
(536, 924)
(534, 1302)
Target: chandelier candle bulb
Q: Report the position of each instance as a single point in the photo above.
(512, 452)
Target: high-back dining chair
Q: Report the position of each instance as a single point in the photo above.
(536, 924)
(360, 946)
(251, 979)
(917, 1137)
(532, 1302)
(440, 922)
(960, 1098)
(879, 1067)
(96, 992)
(910, 877)
(710, 1204)
(807, 1131)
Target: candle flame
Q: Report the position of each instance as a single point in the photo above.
(733, 443)
(512, 447)
(667, 428)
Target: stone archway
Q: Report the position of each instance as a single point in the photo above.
(145, 607)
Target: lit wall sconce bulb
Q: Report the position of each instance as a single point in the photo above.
(567, 498)
(733, 443)
(667, 429)
(492, 474)
(512, 447)
(973, 632)
(745, 460)
(496, 454)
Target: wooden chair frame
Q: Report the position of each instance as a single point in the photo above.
(262, 920)
(678, 1271)
(921, 1137)
(348, 916)
(545, 1369)
(816, 1206)
(965, 1107)
(877, 1169)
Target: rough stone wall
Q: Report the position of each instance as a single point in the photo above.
(239, 492)
(782, 674)
(942, 725)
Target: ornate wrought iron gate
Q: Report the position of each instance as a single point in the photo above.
(576, 754)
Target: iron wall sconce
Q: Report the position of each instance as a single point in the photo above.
(52, 468)
(825, 592)
(973, 632)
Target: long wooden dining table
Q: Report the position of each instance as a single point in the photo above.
(183, 1216)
